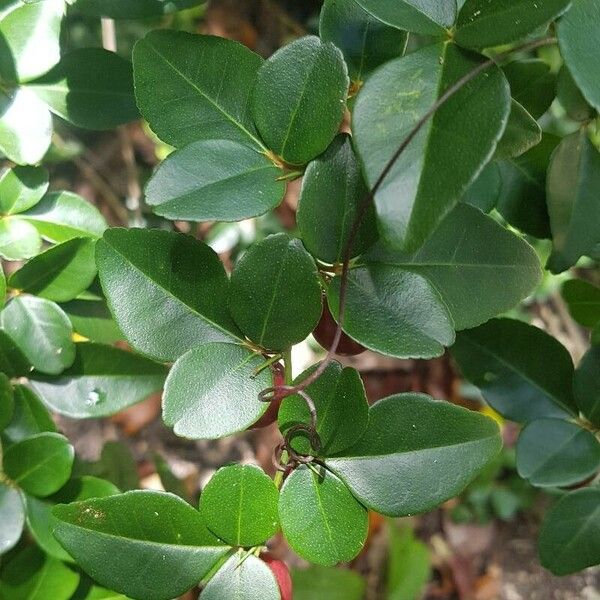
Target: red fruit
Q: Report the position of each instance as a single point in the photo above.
(282, 575)
(270, 416)
(325, 331)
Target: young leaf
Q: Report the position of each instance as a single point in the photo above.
(298, 115)
(573, 189)
(12, 517)
(483, 24)
(102, 381)
(520, 384)
(427, 181)
(42, 332)
(205, 81)
(521, 134)
(21, 188)
(239, 505)
(30, 416)
(328, 583)
(583, 301)
(215, 180)
(274, 279)
(18, 239)
(385, 470)
(587, 385)
(321, 520)
(7, 402)
(532, 84)
(332, 191)
(365, 41)
(579, 50)
(131, 9)
(181, 290)
(91, 88)
(571, 98)
(92, 320)
(40, 464)
(484, 192)
(342, 410)
(134, 543)
(471, 251)
(394, 312)
(570, 536)
(212, 391)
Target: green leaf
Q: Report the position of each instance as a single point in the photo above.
(40, 464)
(554, 453)
(583, 301)
(132, 9)
(244, 578)
(30, 34)
(430, 17)
(328, 583)
(333, 189)
(573, 189)
(484, 192)
(532, 84)
(92, 319)
(385, 468)
(570, 536)
(98, 593)
(215, 180)
(274, 279)
(42, 332)
(91, 88)
(181, 291)
(365, 41)
(136, 542)
(2, 287)
(321, 520)
(587, 385)
(102, 381)
(427, 181)
(212, 391)
(341, 405)
(25, 125)
(21, 188)
(117, 465)
(571, 98)
(522, 199)
(7, 402)
(483, 24)
(60, 273)
(12, 518)
(298, 115)
(30, 416)
(239, 505)
(204, 81)
(31, 575)
(18, 239)
(394, 312)
(12, 361)
(471, 251)
(61, 216)
(521, 134)
(578, 36)
(520, 384)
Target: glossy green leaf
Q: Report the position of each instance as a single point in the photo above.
(91, 88)
(299, 99)
(30, 416)
(61, 216)
(587, 385)
(60, 273)
(571, 98)
(31, 575)
(40, 464)
(521, 134)
(42, 332)
(520, 384)
(12, 517)
(243, 578)
(427, 181)
(570, 536)
(12, 361)
(333, 189)
(583, 301)
(132, 9)
(470, 251)
(394, 312)
(215, 180)
(274, 279)
(92, 320)
(25, 126)
(134, 543)
(430, 17)
(554, 453)
(181, 290)
(328, 583)
(7, 401)
(21, 188)
(532, 84)
(483, 24)
(18, 239)
(430, 455)
(102, 381)
(578, 36)
(573, 189)
(239, 505)
(205, 82)
(365, 41)
(321, 520)
(212, 391)
(341, 405)
(484, 192)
